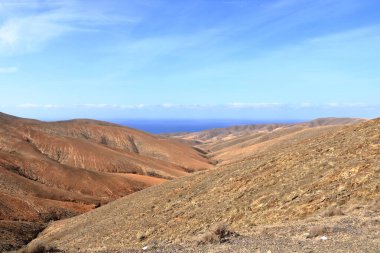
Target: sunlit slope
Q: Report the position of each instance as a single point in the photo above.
(233, 143)
(50, 171)
(298, 180)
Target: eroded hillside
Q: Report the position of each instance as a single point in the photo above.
(266, 195)
(50, 171)
(224, 145)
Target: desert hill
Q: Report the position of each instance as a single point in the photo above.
(54, 170)
(217, 134)
(303, 186)
(224, 145)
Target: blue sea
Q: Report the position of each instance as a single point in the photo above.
(158, 126)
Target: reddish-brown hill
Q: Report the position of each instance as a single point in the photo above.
(285, 197)
(54, 170)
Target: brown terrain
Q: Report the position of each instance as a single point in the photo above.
(226, 133)
(310, 187)
(234, 143)
(55, 170)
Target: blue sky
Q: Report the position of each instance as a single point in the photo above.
(247, 59)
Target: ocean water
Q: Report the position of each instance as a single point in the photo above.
(158, 126)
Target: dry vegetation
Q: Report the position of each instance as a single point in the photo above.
(217, 233)
(332, 211)
(281, 199)
(317, 231)
(56, 170)
(38, 248)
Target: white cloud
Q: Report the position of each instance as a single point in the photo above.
(331, 105)
(291, 106)
(139, 106)
(112, 106)
(254, 105)
(306, 105)
(30, 24)
(8, 69)
(346, 105)
(27, 34)
(36, 106)
(169, 106)
(229, 106)
(94, 105)
(185, 106)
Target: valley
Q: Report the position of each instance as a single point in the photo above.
(50, 171)
(90, 186)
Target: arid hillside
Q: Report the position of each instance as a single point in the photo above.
(54, 170)
(224, 145)
(316, 192)
(212, 135)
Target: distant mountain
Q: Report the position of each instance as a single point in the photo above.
(234, 131)
(314, 190)
(233, 143)
(55, 170)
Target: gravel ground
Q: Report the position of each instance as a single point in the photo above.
(359, 232)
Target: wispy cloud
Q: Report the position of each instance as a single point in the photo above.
(138, 52)
(111, 106)
(19, 35)
(305, 105)
(36, 106)
(254, 105)
(8, 69)
(346, 105)
(170, 106)
(27, 25)
(346, 35)
(227, 106)
(185, 106)
(145, 106)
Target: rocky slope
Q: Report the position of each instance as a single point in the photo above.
(234, 143)
(329, 178)
(54, 170)
(227, 133)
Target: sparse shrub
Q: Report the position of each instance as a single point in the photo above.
(103, 140)
(220, 229)
(188, 170)
(133, 144)
(317, 231)
(218, 233)
(85, 135)
(141, 236)
(207, 237)
(155, 174)
(332, 211)
(213, 162)
(38, 248)
(201, 151)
